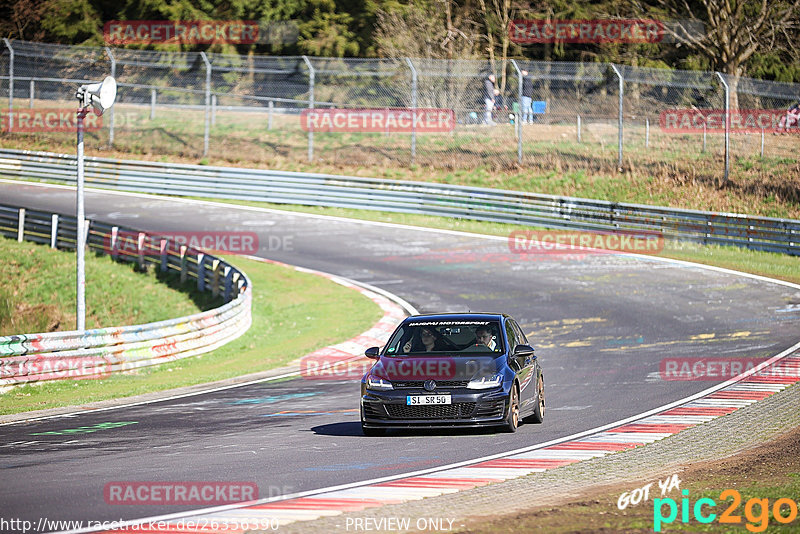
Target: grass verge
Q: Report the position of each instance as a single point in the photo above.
(38, 291)
(765, 473)
(292, 314)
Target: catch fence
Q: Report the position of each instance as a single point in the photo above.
(595, 116)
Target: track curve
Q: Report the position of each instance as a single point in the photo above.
(601, 324)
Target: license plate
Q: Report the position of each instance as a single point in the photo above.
(414, 400)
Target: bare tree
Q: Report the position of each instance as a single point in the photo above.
(434, 34)
(21, 19)
(734, 30)
(497, 16)
(423, 30)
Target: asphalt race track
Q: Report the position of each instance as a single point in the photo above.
(601, 323)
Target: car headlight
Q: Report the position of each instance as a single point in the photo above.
(378, 383)
(486, 382)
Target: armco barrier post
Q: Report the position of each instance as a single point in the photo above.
(237, 281)
(54, 231)
(215, 278)
(201, 271)
(163, 251)
(228, 283)
(113, 243)
(21, 225)
(140, 249)
(184, 264)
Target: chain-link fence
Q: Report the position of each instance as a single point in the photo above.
(592, 117)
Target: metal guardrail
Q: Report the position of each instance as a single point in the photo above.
(529, 209)
(99, 352)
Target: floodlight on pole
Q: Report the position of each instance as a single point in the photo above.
(100, 96)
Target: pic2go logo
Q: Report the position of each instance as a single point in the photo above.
(756, 511)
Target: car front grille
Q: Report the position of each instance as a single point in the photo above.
(441, 411)
(420, 384)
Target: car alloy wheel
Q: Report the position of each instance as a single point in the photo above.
(538, 413)
(512, 420)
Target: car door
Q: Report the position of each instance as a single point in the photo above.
(527, 378)
(512, 336)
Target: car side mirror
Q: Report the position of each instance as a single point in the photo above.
(373, 353)
(524, 350)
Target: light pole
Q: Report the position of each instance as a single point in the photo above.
(100, 96)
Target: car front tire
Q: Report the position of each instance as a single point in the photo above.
(512, 419)
(538, 413)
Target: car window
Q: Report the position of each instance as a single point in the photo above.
(520, 334)
(513, 340)
(453, 337)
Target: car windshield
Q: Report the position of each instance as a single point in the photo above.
(452, 337)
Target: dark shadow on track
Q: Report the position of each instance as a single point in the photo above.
(354, 429)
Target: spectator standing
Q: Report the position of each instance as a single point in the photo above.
(488, 99)
(792, 117)
(527, 98)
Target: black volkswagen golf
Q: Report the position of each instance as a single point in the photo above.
(458, 370)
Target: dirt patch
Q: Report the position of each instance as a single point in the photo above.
(767, 471)
(16, 316)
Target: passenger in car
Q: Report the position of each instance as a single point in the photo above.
(425, 341)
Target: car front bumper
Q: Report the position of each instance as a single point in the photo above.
(468, 408)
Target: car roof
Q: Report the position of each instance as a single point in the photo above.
(470, 316)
